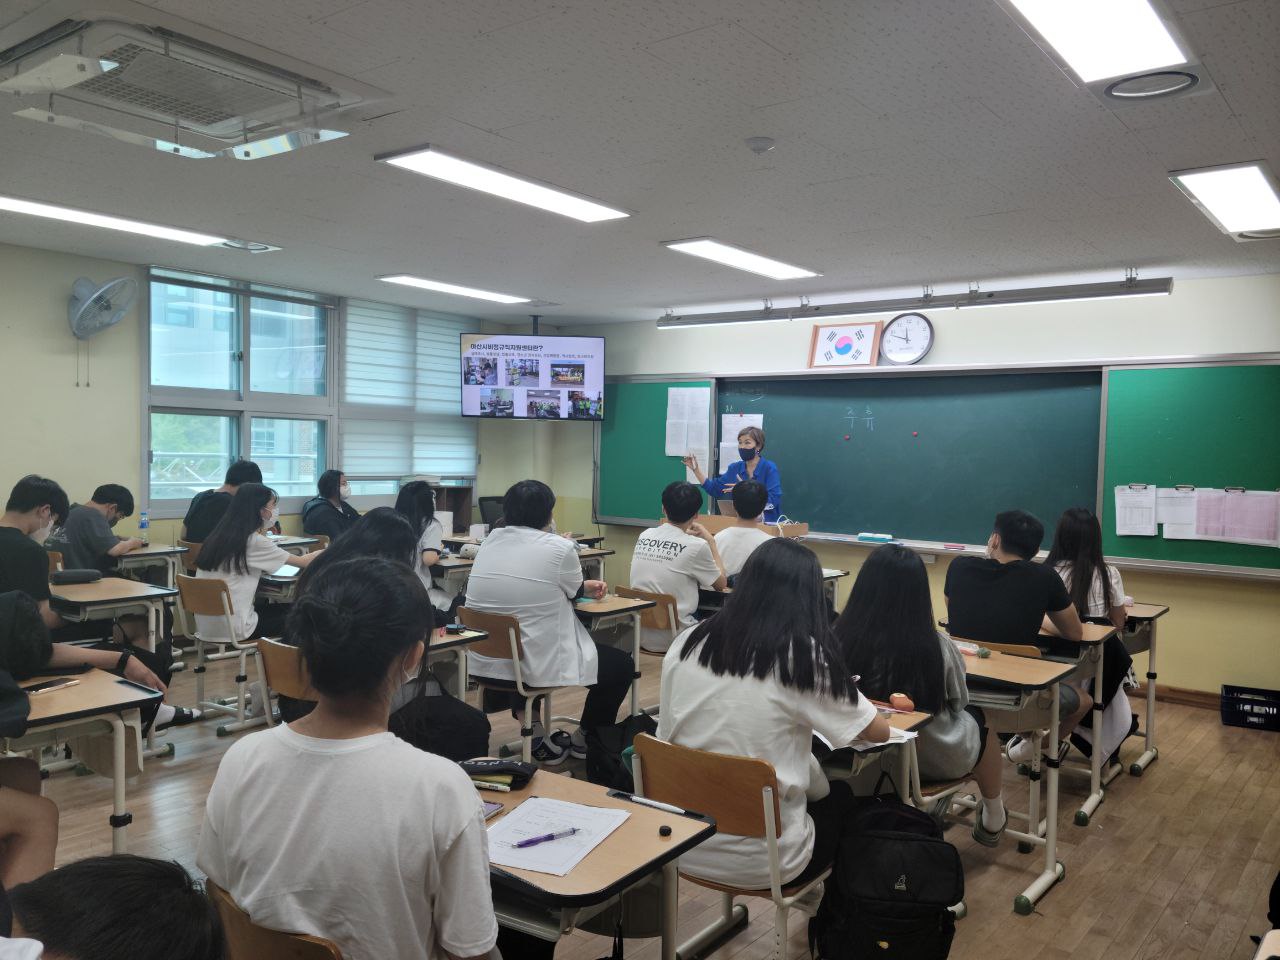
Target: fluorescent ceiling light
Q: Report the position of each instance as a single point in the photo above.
(431, 162)
(14, 205)
(738, 258)
(1103, 38)
(950, 301)
(1238, 198)
(454, 289)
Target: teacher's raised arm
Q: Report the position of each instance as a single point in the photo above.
(751, 466)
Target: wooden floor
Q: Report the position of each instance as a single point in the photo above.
(1176, 864)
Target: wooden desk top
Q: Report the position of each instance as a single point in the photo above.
(1093, 633)
(1027, 673)
(591, 553)
(288, 541)
(107, 590)
(153, 550)
(589, 540)
(611, 604)
(909, 721)
(830, 574)
(452, 563)
(1146, 611)
(627, 855)
(97, 692)
(447, 641)
(827, 577)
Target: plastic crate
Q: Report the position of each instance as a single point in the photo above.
(1250, 707)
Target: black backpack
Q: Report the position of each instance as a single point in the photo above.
(888, 895)
(605, 746)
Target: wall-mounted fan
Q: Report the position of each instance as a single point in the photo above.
(93, 308)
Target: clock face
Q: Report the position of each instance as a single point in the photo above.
(907, 338)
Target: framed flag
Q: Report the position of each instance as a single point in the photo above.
(849, 344)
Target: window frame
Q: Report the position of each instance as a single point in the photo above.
(244, 404)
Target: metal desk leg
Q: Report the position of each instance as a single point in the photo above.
(120, 818)
(670, 909)
(1151, 753)
(1095, 797)
(635, 664)
(1053, 871)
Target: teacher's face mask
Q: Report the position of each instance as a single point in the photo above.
(747, 453)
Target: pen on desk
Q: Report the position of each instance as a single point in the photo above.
(485, 785)
(646, 802)
(534, 841)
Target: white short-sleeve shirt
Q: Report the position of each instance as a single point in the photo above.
(747, 717)
(533, 576)
(1097, 602)
(369, 842)
(668, 560)
(263, 557)
(432, 539)
(736, 544)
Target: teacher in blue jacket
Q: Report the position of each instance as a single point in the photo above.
(752, 466)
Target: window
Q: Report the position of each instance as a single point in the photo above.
(237, 369)
(189, 453)
(401, 402)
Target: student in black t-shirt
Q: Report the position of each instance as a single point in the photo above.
(33, 508)
(208, 507)
(85, 540)
(1005, 597)
(329, 514)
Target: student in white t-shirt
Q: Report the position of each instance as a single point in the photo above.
(238, 552)
(1095, 587)
(332, 826)
(526, 571)
(737, 542)
(677, 558)
(759, 679)
(417, 502)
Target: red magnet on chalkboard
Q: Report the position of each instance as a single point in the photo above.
(846, 436)
(914, 434)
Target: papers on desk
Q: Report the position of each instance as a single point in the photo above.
(895, 736)
(540, 815)
(1135, 510)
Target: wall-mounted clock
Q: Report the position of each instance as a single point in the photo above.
(906, 338)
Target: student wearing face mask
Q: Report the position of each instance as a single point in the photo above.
(751, 466)
(239, 553)
(329, 514)
(85, 540)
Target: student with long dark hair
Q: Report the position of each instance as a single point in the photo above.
(888, 638)
(758, 679)
(332, 826)
(329, 514)
(239, 553)
(417, 502)
(1095, 587)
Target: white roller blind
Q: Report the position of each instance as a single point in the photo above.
(402, 400)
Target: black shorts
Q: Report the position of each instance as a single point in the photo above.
(981, 718)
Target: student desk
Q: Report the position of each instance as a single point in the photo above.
(458, 540)
(609, 610)
(110, 598)
(279, 587)
(1139, 637)
(454, 571)
(1003, 682)
(100, 704)
(845, 763)
(155, 555)
(548, 906)
(714, 599)
(295, 545)
(594, 557)
(453, 646)
(1095, 635)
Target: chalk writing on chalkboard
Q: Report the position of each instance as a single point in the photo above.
(866, 417)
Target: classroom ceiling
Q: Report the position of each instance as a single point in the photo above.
(928, 141)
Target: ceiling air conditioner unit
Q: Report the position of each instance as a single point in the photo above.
(176, 87)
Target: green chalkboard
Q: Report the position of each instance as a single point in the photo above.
(924, 457)
(1208, 426)
(633, 464)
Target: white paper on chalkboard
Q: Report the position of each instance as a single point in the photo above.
(1136, 510)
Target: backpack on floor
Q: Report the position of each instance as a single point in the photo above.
(604, 750)
(888, 895)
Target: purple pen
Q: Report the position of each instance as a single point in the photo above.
(534, 841)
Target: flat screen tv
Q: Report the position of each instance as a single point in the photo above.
(527, 377)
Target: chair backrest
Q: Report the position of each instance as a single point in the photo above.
(204, 596)
(322, 542)
(188, 559)
(503, 642)
(1017, 649)
(286, 672)
(490, 510)
(724, 787)
(248, 941)
(55, 561)
(660, 617)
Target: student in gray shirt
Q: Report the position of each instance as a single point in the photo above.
(888, 637)
(85, 540)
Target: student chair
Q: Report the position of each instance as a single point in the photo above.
(188, 559)
(322, 542)
(55, 562)
(248, 941)
(490, 510)
(726, 788)
(662, 616)
(285, 672)
(211, 598)
(503, 643)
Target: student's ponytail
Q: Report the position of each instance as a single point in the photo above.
(354, 620)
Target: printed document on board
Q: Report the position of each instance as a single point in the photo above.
(1136, 510)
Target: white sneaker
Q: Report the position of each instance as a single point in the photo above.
(1022, 749)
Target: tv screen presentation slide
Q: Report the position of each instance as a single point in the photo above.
(524, 377)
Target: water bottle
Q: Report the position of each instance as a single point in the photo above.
(143, 524)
